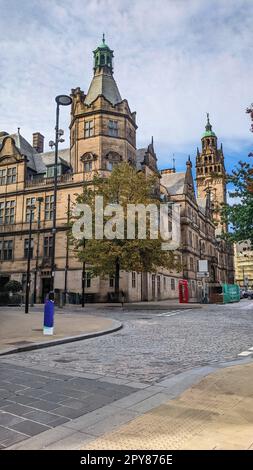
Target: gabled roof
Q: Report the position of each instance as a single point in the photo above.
(104, 84)
(174, 182)
(37, 162)
(201, 204)
(24, 147)
(63, 157)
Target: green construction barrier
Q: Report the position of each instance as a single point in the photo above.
(231, 293)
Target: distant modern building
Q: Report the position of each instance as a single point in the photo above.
(102, 134)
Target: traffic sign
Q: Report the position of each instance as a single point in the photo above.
(202, 274)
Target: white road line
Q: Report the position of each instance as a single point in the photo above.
(245, 353)
(250, 349)
(168, 314)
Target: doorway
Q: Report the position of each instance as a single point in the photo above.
(45, 288)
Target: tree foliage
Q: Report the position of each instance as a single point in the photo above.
(239, 216)
(106, 257)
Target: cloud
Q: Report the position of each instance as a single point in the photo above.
(174, 61)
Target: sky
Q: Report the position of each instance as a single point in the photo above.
(174, 60)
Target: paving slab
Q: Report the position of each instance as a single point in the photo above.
(20, 332)
(216, 413)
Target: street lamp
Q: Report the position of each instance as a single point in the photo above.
(40, 200)
(28, 280)
(61, 100)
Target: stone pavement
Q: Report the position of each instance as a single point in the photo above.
(216, 413)
(20, 331)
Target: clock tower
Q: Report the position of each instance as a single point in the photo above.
(211, 174)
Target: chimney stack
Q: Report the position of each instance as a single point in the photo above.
(38, 142)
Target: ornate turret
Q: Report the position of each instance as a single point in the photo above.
(210, 172)
(103, 82)
(103, 57)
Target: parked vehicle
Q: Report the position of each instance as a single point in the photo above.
(247, 294)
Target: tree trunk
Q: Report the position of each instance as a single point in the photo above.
(117, 272)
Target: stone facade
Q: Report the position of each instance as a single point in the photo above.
(244, 264)
(102, 134)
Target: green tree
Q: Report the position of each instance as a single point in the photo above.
(239, 216)
(13, 286)
(108, 256)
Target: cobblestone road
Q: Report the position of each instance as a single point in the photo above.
(152, 346)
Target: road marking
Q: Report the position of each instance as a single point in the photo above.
(168, 314)
(245, 353)
(250, 349)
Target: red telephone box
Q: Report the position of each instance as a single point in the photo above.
(183, 291)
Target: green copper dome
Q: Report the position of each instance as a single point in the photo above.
(209, 132)
(103, 45)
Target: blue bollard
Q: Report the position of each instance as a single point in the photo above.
(48, 328)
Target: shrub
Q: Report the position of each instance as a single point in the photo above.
(13, 286)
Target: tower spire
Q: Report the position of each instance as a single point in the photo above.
(208, 125)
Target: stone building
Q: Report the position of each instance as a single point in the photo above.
(102, 134)
(244, 264)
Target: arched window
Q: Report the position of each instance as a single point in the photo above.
(102, 62)
(215, 168)
(205, 159)
(206, 169)
(218, 167)
(211, 169)
(207, 142)
(210, 158)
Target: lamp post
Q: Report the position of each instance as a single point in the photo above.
(83, 279)
(61, 100)
(28, 280)
(40, 200)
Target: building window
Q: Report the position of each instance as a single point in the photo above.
(2, 177)
(48, 243)
(191, 264)
(49, 207)
(50, 171)
(1, 213)
(30, 212)
(6, 250)
(89, 129)
(172, 283)
(158, 285)
(164, 282)
(87, 279)
(113, 128)
(26, 244)
(111, 165)
(190, 238)
(11, 175)
(87, 167)
(7, 212)
(111, 281)
(133, 279)
(193, 286)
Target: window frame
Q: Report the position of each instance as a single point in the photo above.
(88, 128)
(113, 128)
